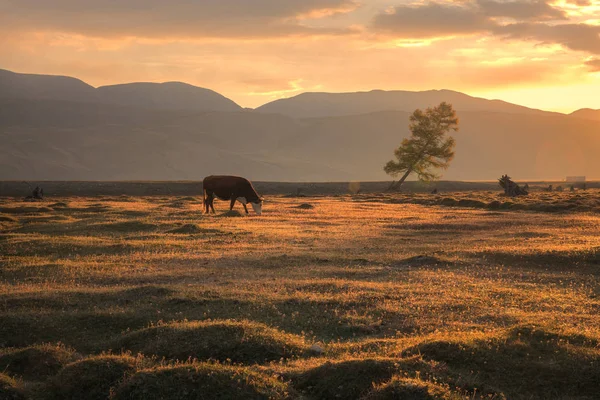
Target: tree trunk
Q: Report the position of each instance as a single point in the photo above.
(401, 181)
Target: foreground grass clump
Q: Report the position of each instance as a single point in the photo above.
(90, 379)
(36, 362)
(9, 389)
(401, 300)
(353, 378)
(413, 389)
(241, 342)
(526, 362)
(201, 381)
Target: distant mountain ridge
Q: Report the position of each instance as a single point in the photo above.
(168, 95)
(60, 128)
(321, 104)
(587, 113)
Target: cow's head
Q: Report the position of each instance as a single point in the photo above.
(257, 206)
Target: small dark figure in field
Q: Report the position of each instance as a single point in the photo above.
(559, 188)
(572, 188)
(526, 187)
(584, 187)
(37, 194)
(434, 191)
(511, 188)
(549, 188)
(232, 188)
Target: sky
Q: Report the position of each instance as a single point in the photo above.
(542, 54)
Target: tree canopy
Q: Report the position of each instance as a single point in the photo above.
(428, 149)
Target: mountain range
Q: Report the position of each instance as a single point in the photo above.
(60, 128)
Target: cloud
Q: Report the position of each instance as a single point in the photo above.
(431, 20)
(177, 18)
(581, 3)
(521, 10)
(594, 64)
(580, 37)
(444, 20)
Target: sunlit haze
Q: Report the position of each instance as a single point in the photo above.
(542, 54)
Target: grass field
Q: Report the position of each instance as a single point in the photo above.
(349, 297)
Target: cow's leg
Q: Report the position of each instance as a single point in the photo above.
(207, 196)
(212, 207)
(232, 203)
(245, 208)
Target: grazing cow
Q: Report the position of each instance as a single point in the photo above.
(230, 188)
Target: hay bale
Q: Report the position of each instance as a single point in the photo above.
(305, 206)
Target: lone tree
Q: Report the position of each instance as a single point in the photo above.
(428, 148)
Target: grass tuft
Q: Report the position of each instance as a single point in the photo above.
(352, 379)
(90, 379)
(9, 389)
(413, 389)
(201, 381)
(231, 213)
(305, 206)
(243, 342)
(191, 229)
(526, 361)
(36, 362)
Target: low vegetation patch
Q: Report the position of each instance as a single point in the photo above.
(191, 229)
(243, 342)
(24, 210)
(354, 378)
(126, 227)
(305, 206)
(231, 213)
(90, 379)
(36, 363)
(526, 362)
(201, 381)
(9, 388)
(410, 389)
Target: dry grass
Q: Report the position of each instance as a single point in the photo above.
(405, 299)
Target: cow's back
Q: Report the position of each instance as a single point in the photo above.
(218, 182)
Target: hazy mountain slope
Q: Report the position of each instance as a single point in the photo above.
(31, 86)
(80, 141)
(307, 105)
(587, 113)
(63, 140)
(169, 95)
(96, 134)
(488, 145)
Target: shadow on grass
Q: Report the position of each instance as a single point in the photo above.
(527, 362)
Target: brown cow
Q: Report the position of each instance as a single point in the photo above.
(230, 188)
